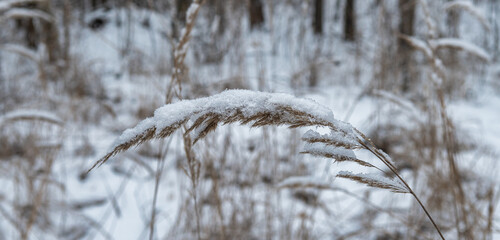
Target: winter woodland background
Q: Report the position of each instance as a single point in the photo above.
(421, 78)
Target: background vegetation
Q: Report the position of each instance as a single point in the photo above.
(419, 77)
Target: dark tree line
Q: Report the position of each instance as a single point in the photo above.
(38, 31)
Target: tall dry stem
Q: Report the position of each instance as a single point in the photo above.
(262, 109)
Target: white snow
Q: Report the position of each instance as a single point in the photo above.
(22, 50)
(6, 5)
(277, 55)
(226, 104)
(321, 149)
(333, 138)
(469, 6)
(419, 44)
(304, 182)
(30, 114)
(460, 44)
(405, 104)
(191, 11)
(375, 180)
(25, 13)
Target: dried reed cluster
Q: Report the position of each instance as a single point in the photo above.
(260, 109)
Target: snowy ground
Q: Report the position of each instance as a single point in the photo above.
(128, 189)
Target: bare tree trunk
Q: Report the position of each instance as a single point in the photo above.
(3, 83)
(350, 21)
(215, 44)
(256, 13)
(217, 12)
(336, 14)
(450, 57)
(181, 7)
(49, 34)
(495, 29)
(452, 20)
(405, 51)
(95, 4)
(318, 17)
(221, 12)
(30, 36)
(27, 27)
(67, 35)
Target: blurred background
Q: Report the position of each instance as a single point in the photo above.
(421, 78)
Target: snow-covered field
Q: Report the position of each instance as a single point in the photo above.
(248, 183)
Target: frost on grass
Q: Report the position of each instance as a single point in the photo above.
(418, 44)
(471, 8)
(30, 114)
(247, 107)
(462, 45)
(403, 103)
(375, 180)
(26, 13)
(21, 50)
(429, 47)
(340, 154)
(200, 116)
(191, 12)
(304, 182)
(6, 5)
(338, 139)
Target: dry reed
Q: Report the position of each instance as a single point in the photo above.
(260, 109)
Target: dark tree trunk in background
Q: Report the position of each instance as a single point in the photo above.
(336, 13)
(181, 7)
(407, 15)
(256, 12)
(452, 19)
(450, 57)
(495, 29)
(350, 21)
(50, 35)
(95, 4)
(31, 38)
(67, 10)
(318, 17)
(38, 31)
(215, 44)
(217, 9)
(27, 27)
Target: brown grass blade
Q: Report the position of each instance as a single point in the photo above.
(376, 181)
(247, 107)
